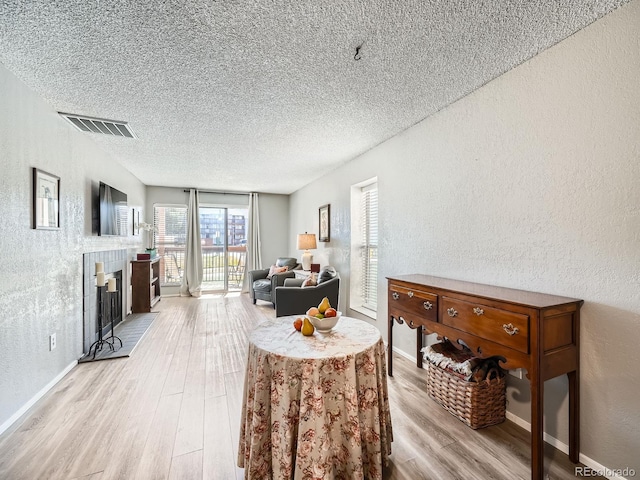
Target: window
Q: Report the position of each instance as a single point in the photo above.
(369, 215)
(170, 236)
(364, 248)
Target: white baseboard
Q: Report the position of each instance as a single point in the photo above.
(36, 397)
(563, 447)
(521, 422)
(404, 354)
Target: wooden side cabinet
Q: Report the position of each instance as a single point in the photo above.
(145, 284)
(536, 331)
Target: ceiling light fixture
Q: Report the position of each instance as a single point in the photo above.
(115, 128)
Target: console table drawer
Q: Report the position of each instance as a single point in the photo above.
(422, 304)
(500, 326)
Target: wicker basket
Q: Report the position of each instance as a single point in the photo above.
(476, 404)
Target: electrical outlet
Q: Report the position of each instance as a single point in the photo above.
(52, 341)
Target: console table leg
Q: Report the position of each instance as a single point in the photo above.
(419, 347)
(574, 417)
(390, 351)
(537, 427)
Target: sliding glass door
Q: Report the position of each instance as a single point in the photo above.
(223, 231)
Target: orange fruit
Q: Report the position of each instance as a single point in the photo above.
(297, 324)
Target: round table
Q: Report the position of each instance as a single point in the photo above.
(316, 406)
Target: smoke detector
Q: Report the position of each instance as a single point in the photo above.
(114, 128)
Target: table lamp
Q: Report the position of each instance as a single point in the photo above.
(306, 242)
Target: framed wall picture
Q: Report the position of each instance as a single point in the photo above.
(46, 200)
(324, 223)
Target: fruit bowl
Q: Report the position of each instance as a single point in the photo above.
(325, 324)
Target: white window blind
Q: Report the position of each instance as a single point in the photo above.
(369, 222)
(170, 223)
(170, 236)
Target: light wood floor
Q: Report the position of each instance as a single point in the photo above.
(172, 410)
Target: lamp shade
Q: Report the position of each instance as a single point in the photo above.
(307, 241)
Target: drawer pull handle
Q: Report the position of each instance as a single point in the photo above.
(478, 311)
(410, 294)
(395, 295)
(452, 312)
(427, 305)
(510, 329)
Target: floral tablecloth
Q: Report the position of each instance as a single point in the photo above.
(315, 408)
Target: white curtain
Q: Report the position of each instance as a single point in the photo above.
(192, 275)
(254, 260)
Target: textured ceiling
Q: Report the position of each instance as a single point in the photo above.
(264, 95)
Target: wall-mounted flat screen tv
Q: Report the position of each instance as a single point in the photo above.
(113, 211)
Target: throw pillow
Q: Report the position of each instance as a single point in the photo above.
(327, 273)
(273, 270)
(310, 281)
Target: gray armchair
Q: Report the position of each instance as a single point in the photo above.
(264, 288)
(292, 299)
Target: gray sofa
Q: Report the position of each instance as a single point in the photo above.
(264, 288)
(292, 299)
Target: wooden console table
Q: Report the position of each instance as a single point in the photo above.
(535, 331)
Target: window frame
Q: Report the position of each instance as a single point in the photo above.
(361, 243)
(160, 246)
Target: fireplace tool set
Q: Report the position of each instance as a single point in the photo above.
(111, 292)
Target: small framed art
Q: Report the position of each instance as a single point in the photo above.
(46, 200)
(324, 220)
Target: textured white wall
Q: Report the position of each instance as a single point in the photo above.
(530, 182)
(41, 287)
(274, 227)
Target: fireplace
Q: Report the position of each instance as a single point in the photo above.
(116, 265)
(111, 306)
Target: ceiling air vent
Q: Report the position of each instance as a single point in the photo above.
(114, 128)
